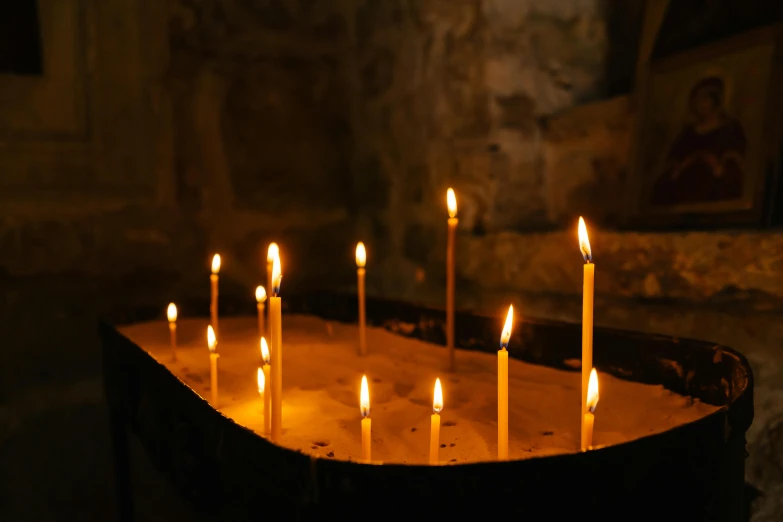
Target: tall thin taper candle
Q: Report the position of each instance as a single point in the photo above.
(268, 394)
(361, 261)
(587, 317)
(213, 302)
(276, 336)
(213, 371)
(271, 252)
(261, 377)
(260, 305)
(437, 406)
(364, 406)
(171, 313)
(451, 202)
(503, 386)
(589, 417)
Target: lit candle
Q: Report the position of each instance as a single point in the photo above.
(361, 261)
(276, 336)
(437, 406)
(589, 417)
(364, 406)
(171, 313)
(503, 386)
(271, 253)
(260, 305)
(261, 378)
(213, 357)
(587, 316)
(451, 201)
(213, 303)
(268, 396)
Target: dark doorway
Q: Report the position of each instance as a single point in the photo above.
(20, 38)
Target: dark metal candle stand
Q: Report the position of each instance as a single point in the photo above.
(226, 472)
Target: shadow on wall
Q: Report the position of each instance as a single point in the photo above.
(690, 24)
(624, 19)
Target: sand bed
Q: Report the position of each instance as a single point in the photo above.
(321, 380)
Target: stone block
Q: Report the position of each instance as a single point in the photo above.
(693, 266)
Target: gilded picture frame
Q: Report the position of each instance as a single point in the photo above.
(706, 148)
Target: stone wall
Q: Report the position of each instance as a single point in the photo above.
(262, 132)
(495, 98)
(461, 94)
(160, 133)
(85, 179)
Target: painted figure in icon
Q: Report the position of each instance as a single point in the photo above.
(705, 161)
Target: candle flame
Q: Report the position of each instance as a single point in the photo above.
(264, 351)
(451, 202)
(211, 339)
(216, 263)
(277, 275)
(506, 335)
(592, 391)
(361, 255)
(261, 381)
(171, 312)
(271, 252)
(364, 398)
(437, 397)
(584, 241)
(260, 294)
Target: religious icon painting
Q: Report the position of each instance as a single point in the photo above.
(707, 144)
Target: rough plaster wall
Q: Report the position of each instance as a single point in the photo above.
(263, 133)
(462, 94)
